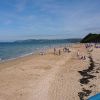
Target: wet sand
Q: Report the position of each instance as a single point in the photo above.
(49, 76)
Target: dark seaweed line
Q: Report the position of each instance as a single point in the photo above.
(86, 76)
(86, 73)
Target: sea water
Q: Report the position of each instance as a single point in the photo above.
(14, 50)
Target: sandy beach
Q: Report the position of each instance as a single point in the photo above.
(51, 77)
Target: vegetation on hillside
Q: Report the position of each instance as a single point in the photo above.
(91, 38)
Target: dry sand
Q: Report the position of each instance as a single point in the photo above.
(47, 77)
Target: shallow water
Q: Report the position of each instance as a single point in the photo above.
(13, 50)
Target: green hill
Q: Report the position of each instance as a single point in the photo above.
(91, 38)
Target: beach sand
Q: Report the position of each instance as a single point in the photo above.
(49, 76)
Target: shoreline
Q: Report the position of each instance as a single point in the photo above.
(46, 48)
(11, 59)
(38, 52)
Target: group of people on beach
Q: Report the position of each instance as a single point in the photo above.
(55, 51)
(89, 46)
(80, 56)
(58, 52)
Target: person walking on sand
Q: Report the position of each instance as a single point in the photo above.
(54, 51)
(78, 53)
(59, 52)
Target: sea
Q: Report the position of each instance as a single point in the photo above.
(13, 50)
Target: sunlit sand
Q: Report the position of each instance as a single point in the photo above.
(48, 76)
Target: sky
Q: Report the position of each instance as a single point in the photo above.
(48, 19)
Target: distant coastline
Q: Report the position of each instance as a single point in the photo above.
(72, 40)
